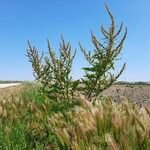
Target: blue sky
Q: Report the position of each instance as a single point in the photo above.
(37, 20)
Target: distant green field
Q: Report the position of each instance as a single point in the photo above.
(11, 81)
(132, 83)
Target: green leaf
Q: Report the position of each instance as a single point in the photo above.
(88, 69)
(75, 85)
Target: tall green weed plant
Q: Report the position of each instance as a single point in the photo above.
(54, 73)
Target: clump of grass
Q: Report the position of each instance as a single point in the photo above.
(105, 125)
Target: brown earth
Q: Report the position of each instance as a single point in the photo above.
(139, 94)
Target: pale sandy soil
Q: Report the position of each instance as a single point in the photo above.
(8, 85)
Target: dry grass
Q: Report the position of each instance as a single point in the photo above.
(10, 92)
(28, 124)
(107, 126)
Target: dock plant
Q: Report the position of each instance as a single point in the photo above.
(54, 73)
(99, 74)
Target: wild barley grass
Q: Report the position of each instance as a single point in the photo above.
(27, 124)
(108, 126)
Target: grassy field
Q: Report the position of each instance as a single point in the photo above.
(30, 120)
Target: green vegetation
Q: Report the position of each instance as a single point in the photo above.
(132, 83)
(58, 113)
(99, 76)
(28, 123)
(54, 72)
(7, 81)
